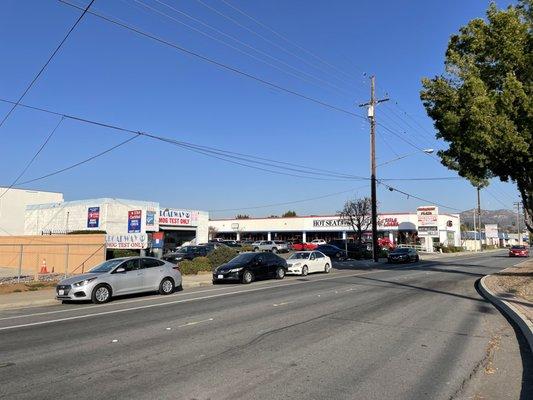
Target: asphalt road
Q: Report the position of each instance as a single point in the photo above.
(405, 332)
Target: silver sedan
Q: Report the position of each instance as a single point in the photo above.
(121, 276)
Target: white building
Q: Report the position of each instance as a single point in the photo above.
(13, 206)
(129, 224)
(426, 227)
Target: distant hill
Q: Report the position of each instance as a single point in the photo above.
(506, 219)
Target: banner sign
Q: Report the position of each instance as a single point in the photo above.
(150, 218)
(428, 231)
(134, 221)
(134, 241)
(427, 216)
(491, 231)
(169, 216)
(157, 240)
(93, 217)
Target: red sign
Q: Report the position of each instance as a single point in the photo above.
(388, 222)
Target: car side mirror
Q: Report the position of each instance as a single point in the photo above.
(120, 270)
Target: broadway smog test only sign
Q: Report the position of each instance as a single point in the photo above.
(131, 241)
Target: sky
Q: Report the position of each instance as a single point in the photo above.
(322, 49)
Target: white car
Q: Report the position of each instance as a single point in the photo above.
(318, 242)
(306, 262)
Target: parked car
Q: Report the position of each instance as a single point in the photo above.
(121, 276)
(355, 250)
(518, 251)
(212, 246)
(246, 267)
(318, 242)
(403, 255)
(306, 262)
(232, 244)
(186, 253)
(332, 251)
(275, 246)
(300, 246)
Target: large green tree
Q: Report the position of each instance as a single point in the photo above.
(482, 105)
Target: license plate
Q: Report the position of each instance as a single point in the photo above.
(221, 277)
(61, 292)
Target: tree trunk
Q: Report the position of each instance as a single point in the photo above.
(526, 192)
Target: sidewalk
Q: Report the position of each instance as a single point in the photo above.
(45, 297)
(511, 290)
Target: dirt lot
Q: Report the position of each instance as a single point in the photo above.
(515, 284)
(25, 287)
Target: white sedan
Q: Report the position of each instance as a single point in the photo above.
(306, 262)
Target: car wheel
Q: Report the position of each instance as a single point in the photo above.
(274, 250)
(280, 273)
(166, 286)
(338, 255)
(327, 268)
(101, 294)
(256, 249)
(305, 270)
(247, 277)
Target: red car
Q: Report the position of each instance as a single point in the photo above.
(518, 251)
(299, 246)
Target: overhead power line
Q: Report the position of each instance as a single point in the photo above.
(228, 156)
(84, 11)
(393, 189)
(29, 163)
(289, 202)
(214, 62)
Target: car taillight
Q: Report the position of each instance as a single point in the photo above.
(176, 267)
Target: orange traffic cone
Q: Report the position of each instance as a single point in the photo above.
(43, 270)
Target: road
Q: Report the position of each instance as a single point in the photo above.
(418, 331)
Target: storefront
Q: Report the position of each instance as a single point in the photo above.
(424, 227)
(129, 224)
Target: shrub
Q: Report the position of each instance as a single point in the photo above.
(246, 247)
(221, 256)
(192, 267)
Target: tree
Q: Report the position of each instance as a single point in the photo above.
(483, 104)
(212, 232)
(288, 214)
(242, 216)
(357, 214)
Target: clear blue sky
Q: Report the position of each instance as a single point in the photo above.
(108, 74)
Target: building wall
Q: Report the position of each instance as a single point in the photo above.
(73, 215)
(13, 206)
(61, 253)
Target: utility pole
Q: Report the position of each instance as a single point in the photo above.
(373, 195)
(475, 232)
(479, 219)
(519, 237)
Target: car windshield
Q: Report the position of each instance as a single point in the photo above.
(401, 251)
(299, 256)
(518, 247)
(106, 266)
(242, 258)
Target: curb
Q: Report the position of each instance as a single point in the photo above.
(509, 310)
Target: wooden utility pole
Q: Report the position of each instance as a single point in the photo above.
(479, 219)
(373, 190)
(519, 237)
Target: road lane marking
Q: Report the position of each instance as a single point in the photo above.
(117, 311)
(119, 302)
(283, 304)
(195, 323)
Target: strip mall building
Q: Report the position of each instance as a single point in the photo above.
(426, 227)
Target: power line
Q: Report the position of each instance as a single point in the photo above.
(217, 63)
(47, 62)
(289, 202)
(28, 164)
(393, 189)
(495, 198)
(265, 54)
(220, 154)
(59, 171)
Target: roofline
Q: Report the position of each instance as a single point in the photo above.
(319, 216)
(31, 190)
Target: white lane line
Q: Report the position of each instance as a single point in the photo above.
(144, 299)
(283, 304)
(293, 282)
(174, 302)
(195, 323)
